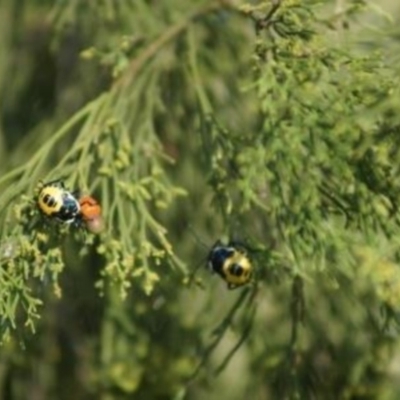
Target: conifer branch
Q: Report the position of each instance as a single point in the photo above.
(166, 37)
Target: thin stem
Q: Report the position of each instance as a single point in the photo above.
(165, 38)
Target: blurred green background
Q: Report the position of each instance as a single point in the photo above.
(193, 121)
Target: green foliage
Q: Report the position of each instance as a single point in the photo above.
(273, 113)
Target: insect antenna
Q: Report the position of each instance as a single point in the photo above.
(197, 237)
(202, 261)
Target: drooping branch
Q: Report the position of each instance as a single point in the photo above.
(166, 37)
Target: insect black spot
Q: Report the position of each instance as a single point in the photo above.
(49, 201)
(236, 269)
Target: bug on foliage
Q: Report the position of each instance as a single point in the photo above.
(91, 214)
(90, 208)
(55, 201)
(231, 262)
